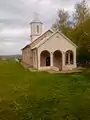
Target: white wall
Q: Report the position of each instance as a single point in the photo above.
(35, 58)
(27, 56)
(57, 42)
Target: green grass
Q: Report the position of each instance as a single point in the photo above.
(42, 96)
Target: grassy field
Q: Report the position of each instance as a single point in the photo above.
(42, 96)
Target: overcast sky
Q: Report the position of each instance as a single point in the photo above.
(15, 16)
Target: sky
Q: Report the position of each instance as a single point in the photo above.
(15, 16)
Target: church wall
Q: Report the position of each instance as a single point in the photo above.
(27, 57)
(57, 42)
(35, 58)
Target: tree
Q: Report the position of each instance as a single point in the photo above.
(81, 12)
(80, 33)
(81, 36)
(62, 21)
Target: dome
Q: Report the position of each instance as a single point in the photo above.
(36, 19)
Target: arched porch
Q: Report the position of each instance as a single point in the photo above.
(57, 59)
(69, 57)
(45, 58)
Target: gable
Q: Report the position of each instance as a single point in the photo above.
(38, 39)
(41, 37)
(56, 41)
(60, 35)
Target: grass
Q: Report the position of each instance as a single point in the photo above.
(25, 95)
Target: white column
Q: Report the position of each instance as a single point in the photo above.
(51, 58)
(38, 60)
(69, 58)
(63, 60)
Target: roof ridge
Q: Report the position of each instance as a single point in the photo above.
(54, 34)
(37, 38)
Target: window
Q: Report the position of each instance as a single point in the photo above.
(37, 28)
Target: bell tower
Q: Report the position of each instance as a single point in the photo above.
(36, 27)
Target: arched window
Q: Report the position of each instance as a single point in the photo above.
(69, 57)
(37, 28)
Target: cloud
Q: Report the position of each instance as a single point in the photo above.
(15, 16)
(9, 43)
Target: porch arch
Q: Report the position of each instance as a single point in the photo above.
(45, 58)
(57, 59)
(69, 57)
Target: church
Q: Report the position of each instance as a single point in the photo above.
(50, 50)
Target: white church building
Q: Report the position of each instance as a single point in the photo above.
(50, 50)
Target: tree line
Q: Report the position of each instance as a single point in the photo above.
(77, 28)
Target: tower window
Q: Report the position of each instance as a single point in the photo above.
(37, 28)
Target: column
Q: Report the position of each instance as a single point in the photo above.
(38, 60)
(51, 58)
(63, 60)
(69, 58)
